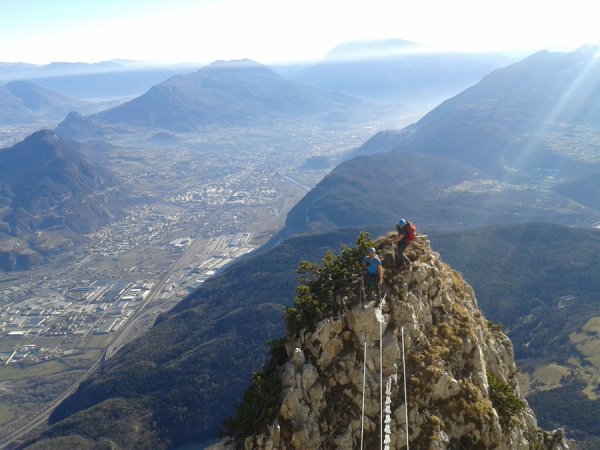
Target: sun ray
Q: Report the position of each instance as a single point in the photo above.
(573, 93)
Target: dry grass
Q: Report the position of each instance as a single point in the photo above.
(593, 325)
(551, 375)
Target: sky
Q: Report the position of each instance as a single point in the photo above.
(281, 31)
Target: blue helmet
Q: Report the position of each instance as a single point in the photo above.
(371, 250)
(402, 222)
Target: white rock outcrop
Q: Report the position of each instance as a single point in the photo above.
(451, 352)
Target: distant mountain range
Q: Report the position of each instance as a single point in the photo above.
(507, 121)
(48, 185)
(110, 86)
(242, 93)
(527, 132)
(546, 87)
(21, 71)
(103, 81)
(29, 104)
(397, 71)
(389, 71)
(22, 102)
(356, 51)
(223, 93)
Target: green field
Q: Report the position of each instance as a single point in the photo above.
(54, 366)
(7, 412)
(16, 372)
(94, 341)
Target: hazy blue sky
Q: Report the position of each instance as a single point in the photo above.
(268, 31)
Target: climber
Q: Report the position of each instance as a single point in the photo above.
(374, 272)
(406, 234)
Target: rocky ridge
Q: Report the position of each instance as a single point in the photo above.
(461, 388)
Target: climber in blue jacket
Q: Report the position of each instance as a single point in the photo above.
(374, 272)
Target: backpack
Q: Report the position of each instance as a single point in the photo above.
(412, 231)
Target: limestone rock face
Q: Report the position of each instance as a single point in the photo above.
(450, 354)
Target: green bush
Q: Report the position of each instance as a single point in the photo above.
(505, 400)
(495, 327)
(319, 283)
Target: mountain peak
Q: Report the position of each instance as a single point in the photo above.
(44, 179)
(76, 126)
(45, 135)
(362, 50)
(41, 140)
(18, 84)
(239, 92)
(460, 370)
(241, 66)
(33, 100)
(40, 152)
(235, 64)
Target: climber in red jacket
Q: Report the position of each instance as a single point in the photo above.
(406, 234)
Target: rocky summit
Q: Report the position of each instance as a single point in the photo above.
(461, 389)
